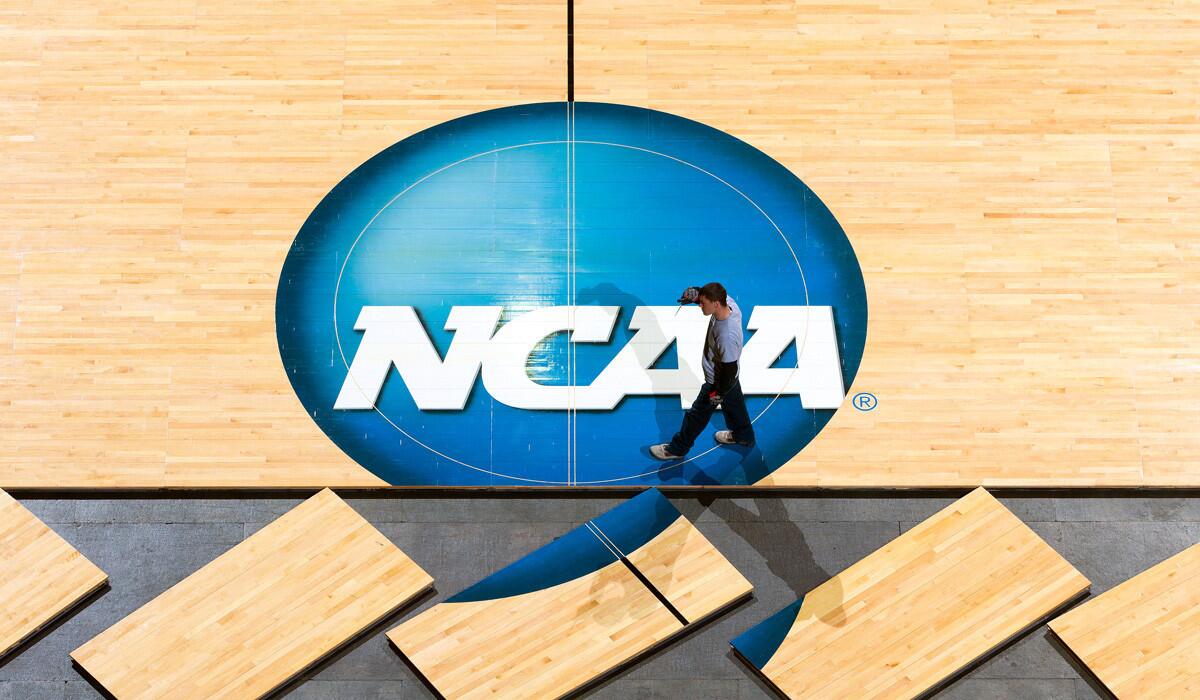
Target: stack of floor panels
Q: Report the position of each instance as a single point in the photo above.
(41, 575)
(913, 614)
(574, 610)
(1142, 638)
(258, 615)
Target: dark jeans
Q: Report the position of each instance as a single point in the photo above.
(737, 418)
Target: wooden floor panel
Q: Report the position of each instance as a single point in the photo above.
(524, 632)
(911, 615)
(543, 644)
(261, 613)
(1142, 638)
(689, 572)
(41, 575)
(158, 161)
(1019, 184)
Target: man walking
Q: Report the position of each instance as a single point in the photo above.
(722, 349)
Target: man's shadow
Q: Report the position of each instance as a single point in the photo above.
(782, 545)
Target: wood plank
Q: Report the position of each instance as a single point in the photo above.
(911, 615)
(41, 575)
(158, 162)
(1029, 286)
(574, 610)
(1015, 180)
(258, 615)
(689, 572)
(543, 644)
(1142, 638)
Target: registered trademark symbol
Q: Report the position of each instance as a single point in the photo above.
(864, 401)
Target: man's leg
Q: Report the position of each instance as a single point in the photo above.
(693, 422)
(737, 417)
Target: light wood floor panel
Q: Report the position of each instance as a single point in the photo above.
(524, 632)
(538, 645)
(261, 613)
(1019, 183)
(1142, 638)
(158, 158)
(689, 572)
(41, 574)
(916, 612)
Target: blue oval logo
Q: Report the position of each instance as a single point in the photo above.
(492, 301)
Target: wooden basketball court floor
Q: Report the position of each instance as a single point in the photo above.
(1019, 183)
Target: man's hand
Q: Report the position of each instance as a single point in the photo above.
(689, 296)
(714, 398)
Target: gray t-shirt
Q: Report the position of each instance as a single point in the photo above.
(724, 342)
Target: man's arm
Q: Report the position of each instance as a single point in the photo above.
(726, 374)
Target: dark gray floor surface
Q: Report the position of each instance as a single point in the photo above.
(784, 545)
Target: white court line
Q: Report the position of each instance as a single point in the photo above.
(608, 544)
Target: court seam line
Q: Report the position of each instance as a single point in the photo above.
(637, 573)
(571, 51)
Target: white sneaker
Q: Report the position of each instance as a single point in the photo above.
(661, 452)
(725, 437)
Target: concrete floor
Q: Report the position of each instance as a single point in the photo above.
(785, 546)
